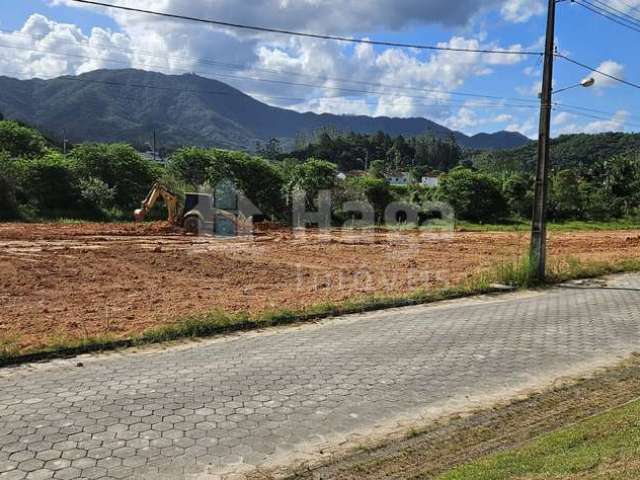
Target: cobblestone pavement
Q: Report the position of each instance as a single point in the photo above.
(229, 404)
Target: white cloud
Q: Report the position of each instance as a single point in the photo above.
(520, 11)
(608, 67)
(503, 118)
(625, 5)
(528, 127)
(533, 89)
(614, 124)
(329, 16)
(561, 118)
(28, 56)
(463, 119)
(565, 122)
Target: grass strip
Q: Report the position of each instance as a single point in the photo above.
(606, 446)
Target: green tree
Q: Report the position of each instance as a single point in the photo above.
(260, 181)
(272, 149)
(518, 192)
(20, 141)
(565, 196)
(8, 184)
(315, 175)
(474, 196)
(377, 169)
(50, 184)
(121, 168)
(97, 196)
(191, 165)
(377, 193)
(622, 180)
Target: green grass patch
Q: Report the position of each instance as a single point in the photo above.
(520, 226)
(571, 226)
(9, 346)
(603, 447)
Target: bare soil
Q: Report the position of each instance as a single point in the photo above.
(75, 280)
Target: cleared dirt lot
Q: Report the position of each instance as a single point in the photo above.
(76, 280)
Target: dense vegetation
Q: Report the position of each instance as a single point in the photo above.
(422, 154)
(93, 181)
(594, 178)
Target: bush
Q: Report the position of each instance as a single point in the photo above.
(49, 185)
(375, 191)
(97, 196)
(474, 196)
(20, 141)
(8, 181)
(518, 192)
(260, 181)
(311, 177)
(191, 165)
(123, 170)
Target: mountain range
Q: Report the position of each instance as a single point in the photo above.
(127, 105)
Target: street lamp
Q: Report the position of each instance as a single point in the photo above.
(539, 224)
(586, 83)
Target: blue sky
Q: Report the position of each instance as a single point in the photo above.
(55, 37)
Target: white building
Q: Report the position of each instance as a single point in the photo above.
(153, 158)
(399, 180)
(430, 181)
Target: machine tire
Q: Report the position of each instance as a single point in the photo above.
(193, 225)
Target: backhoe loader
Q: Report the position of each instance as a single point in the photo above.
(199, 214)
(170, 200)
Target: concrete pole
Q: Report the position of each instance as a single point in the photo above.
(539, 227)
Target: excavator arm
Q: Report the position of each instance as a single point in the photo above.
(170, 200)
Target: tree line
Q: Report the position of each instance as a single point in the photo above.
(108, 181)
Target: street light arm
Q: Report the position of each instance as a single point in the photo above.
(566, 88)
(586, 83)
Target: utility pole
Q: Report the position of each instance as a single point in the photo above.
(154, 144)
(64, 141)
(539, 226)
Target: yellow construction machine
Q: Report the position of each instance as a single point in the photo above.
(199, 213)
(170, 200)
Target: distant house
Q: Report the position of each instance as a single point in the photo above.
(341, 176)
(430, 181)
(399, 179)
(149, 155)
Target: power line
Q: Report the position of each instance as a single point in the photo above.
(596, 117)
(629, 5)
(617, 12)
(308, 34)
(599, 72)
(285, 82)
(336, 99)
(590, 110)
(607, 15)
(231, 66)
(437, 102)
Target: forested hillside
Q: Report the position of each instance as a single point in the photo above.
(127, 105)
(567, 151)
